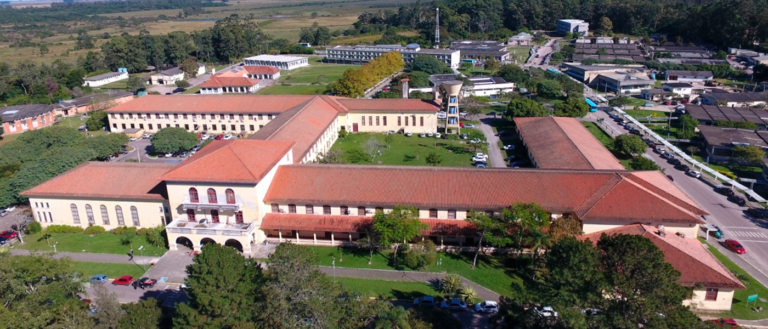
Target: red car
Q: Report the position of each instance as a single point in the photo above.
(725, 322)
(124, 280)
(8, 234)
(735, 246)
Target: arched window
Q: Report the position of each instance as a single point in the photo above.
(75, 214)
(230, 196)
(193, 197)
(104, 215)
(119, 212)
(89, 213)
(212, 196)
(135, 216)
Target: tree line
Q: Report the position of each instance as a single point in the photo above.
(723, 23)
(354, 82)
(39, 155)
(230, 39)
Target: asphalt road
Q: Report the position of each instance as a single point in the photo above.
(731, 218)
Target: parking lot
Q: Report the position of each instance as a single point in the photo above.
(140, 150)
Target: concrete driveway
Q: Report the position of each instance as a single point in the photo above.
(494, 153)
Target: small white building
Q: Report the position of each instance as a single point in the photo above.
(278, 61)
(170, 76)
(680, 88)
(688, 76)
(492, 87)
(520, 39)
(229, 85)
(575, 26)
(103, 79)
(253, 72)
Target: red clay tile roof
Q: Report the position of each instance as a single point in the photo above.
(108, 180)
(695, 264)
(394, 105)
(233, 161)
(564, 143)
(219, 81)
(304, 127)
(588, 194)
(210, 104)
(340, 223)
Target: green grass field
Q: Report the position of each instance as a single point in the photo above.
(294, 90)
(105, 243)
(315, 72)
(520, 53)
(410, 151)
(111, 270)
(382, 289)
(739, 309)
(641, 113)
(491, 272)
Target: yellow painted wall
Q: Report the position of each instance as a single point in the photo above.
(430, 122)
(723, 302)
(150, 212)
(161, 120)
(690, 232)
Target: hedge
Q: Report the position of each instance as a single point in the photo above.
(94, 230)
(63, 229)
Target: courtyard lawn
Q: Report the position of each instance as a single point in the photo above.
(382, 289)
(491, 272)
(111, 270)
(739, 309)
(72, 122)
(105, 243)
(294, 90)
(411, 151)
(317, 71)
(642, 113)
(520, 53)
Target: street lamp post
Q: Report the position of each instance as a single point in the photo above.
(333, 263)
(141, 248)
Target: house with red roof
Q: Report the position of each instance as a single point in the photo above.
(712, 283)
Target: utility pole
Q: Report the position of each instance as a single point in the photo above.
(437, 28)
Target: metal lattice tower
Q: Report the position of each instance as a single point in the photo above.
(437, 28)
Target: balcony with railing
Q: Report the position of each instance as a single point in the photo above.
(182, 225)
(203, 203)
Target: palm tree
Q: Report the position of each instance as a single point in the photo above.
(469, 294)
(370, 242)
(451, 284)
(396, 318)
(537, 239)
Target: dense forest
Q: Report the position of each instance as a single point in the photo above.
(722, 23)
(68, 12)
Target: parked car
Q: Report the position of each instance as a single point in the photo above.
(147, 136)
(737, 200)
(146, 282)
(693, 173)
(481, 165)
(3, 241)
(546, 311)
(479, 159)
(735, 246)
(168, 155)
(430, 134)
(204, 136)
(409, 134)
(668, 156)
(516, 164)
(454, 304)
(99, 278)
(509, 158)
(758, 213)
(508, 147)
(671, 178)
(463, 136)
(675, 162)
(422, 135)
(725, 323)
(487, 306)
(132, 139)
(437, 135)
(424, 301)
(475, 141)
(724, 190)
(219, 137)
(469, 125)
(124, 280)
(8, 234)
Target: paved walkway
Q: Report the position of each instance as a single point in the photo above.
(494, 152)
(95, 258)
(426, 277)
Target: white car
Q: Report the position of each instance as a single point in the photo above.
(481, 155)
(455, 304)
(424, 301)
(422, 135)
(204, 136)
(469, 125)
(227, 137)
(169, 155)
(147, 136)
(430, 134)
(10, 209)
(479, 159)
(437, 135)
(475, 141)
(508, 147)
(409, 134)
(546, 311)
(487, 306)
(132, 139)
(693, 173)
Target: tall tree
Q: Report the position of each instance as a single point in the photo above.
(144, 314)
(109, 310)
(524, 107)
(687, 125)
(223, 289)
(169, 140)
(629, 144)
(489, 228)
(522, 218)
(399, 226)
(572, 107)
(749, 153)
(564, 227)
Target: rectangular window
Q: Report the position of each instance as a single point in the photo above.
(202, 116)
(232, 117)
(385, 120)
(344, 210)
(130, 115)
(421, 120)
(186, 126)
(233, 127)
(205, 127)
(326, 210)
(269, 116)
(114, 125)
(377, 120)
(184, 115)
(370, 120)
(167, 125)
(291, 208)
(133, 126)
(213, 127)
(251, 126)
(398, 121)
(711, 294)
(451, 213)
(432, 213)
(113, 117)
(123, 125)
(275, 208)
(141, 126)
(406, 121)
(261, 117)
(167, 115)
(177, 125)
(121, 116)
(242, 127)
(250, 116)
(310, 209)
(362, 122)
(242, 117)
(150, 126)
(361, 211)
(175, 115)
(223, 127)
(50, 217)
